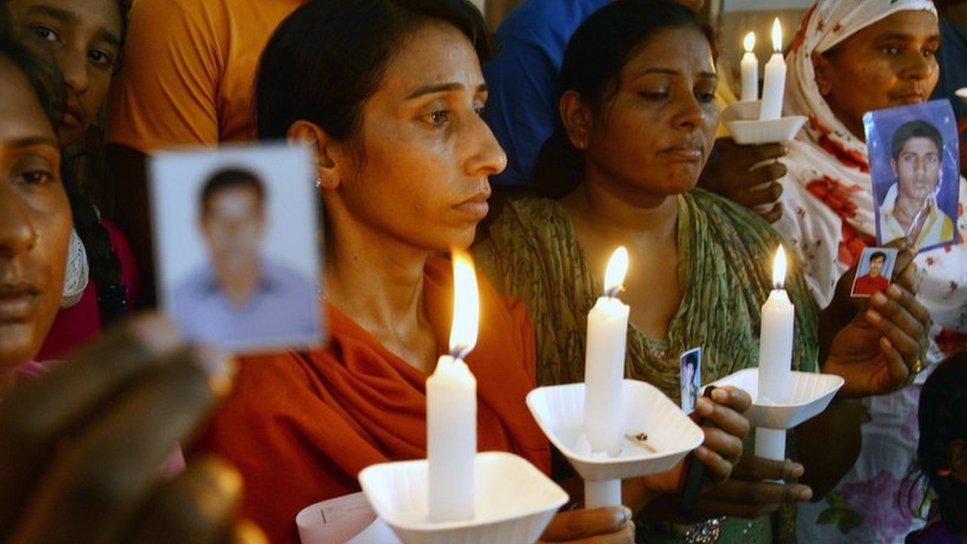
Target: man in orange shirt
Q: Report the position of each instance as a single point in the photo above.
(873, 282)
(187, 79)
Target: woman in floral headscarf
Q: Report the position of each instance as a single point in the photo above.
(850, 57)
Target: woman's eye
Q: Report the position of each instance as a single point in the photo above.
(481, 110)
(35, 177)
(100, 57)
(45, 33)
(891, 51)
(438, 118)
(706, 98)
(654, 95)
(930, 52)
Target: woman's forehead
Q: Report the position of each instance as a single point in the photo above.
(680, 50)
(432, 55)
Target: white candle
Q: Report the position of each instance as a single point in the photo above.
(775, 358)
(774, 86)
(451, 411)
(750, 70)
(605, 362)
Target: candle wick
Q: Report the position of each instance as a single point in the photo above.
(459, 352)
(613, 292)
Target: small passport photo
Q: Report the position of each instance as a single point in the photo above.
(237, 249)
(874, 272)
(691, 378)
(915, 163)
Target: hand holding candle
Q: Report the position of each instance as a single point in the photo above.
(775, 358)
(774, 86)
(750, 70)
(451, 415)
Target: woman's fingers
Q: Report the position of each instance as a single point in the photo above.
(100, 477)
(69, 394)
(773, 214)
(578, 524)
(898, 370)
(196, 507)
(767, 194)
(766, 175)
(758, 468)
(897, 324)
(908, 300)
(744, 491)
(904, 269)
(718, 468)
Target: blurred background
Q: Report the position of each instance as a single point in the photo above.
(733, 18)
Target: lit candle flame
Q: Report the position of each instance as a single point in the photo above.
(779, 269)
(749, 42)
(777, 36)
(466, 306)
(614, 276)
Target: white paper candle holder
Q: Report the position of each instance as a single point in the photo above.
(742, 120)
(809, 395)
(962, 94)
(514, 502)
(559, 411)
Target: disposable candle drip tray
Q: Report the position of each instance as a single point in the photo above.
(513, 502)
(809, 395)
(559, 411)
(742, 120)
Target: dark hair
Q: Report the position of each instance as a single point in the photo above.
(593, 60)
(877, 255)
(329, 56)
(226, 178)
(915, 129)
(943, 419)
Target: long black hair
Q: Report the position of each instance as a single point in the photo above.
(943, 419)
(329, 56)
(593, 60)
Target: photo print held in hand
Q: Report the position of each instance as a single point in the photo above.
(874, 272)
(915, 165)
(236, 235)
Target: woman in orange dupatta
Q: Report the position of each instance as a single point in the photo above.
(388, 94)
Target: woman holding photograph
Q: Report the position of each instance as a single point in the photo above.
(850, 58)
(388, 94)
(636, 124)
(80, 446)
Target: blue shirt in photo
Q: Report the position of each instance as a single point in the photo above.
(283, 310)
(523, 79)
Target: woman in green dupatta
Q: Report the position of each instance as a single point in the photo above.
(636, 125)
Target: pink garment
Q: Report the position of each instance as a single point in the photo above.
(82, 322)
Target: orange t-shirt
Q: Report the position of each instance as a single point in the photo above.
(188, 75)
(300, 426)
